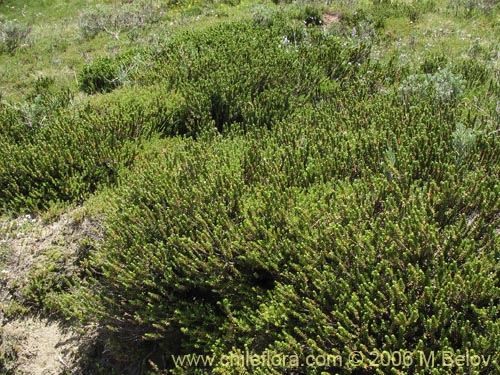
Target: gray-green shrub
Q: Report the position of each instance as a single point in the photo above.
(13, 34)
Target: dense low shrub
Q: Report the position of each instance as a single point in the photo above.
(434, 63)
(102, 75)
(76, 151)
(352, 225)
(321, 203)
(66, 160)
(129, 67)
(255, 76)
(44, 101)
(237, 73)
(475, 73)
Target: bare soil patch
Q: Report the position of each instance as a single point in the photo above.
(30, 345)
(332, 17)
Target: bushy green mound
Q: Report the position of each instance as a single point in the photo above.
(231, 74)
(259, 242)
(275, 187)
(356, 217)
(54, 153)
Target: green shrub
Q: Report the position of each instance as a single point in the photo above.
(255, 76)
(310, 213)
(475, 73)
(49, 276)
(151, 107)
(40, 105)
(347, 226)
(434, 63)
(44, 101)
(73, 154)
(100, 76)
(57, 154)
(13, 128)
(105, 74)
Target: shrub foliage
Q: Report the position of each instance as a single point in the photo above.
(328, 218)
(298, 197)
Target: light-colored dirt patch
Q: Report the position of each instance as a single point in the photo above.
(41, 347)
(33, 346)
(31, 243)
(332, 17)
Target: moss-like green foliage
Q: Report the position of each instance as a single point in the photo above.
(276, 188)
(67, 157)
(53, 153)
(66, 160)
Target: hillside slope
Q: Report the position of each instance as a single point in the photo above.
(250, 187)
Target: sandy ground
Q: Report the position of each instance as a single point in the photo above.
(31, 345)
(331, 17)
(41, 347)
